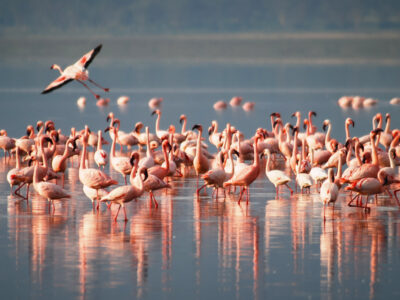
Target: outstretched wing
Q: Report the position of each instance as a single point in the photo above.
(59, 82)
(85, 60)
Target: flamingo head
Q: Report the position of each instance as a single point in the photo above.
(349, 121)
(305, 123)
(275, 115)
(144, 172)
(110, 116)
(39, 125)
(295, 129)
(376, 131)
(325, 124)
(351, 186)
(312, 114)
(134, 156)
(198, 127)
(182, 118)
(157, 111)
(387, 117)
(138, 127)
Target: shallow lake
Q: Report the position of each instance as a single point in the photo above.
(187, 248)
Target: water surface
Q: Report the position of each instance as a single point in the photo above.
(188, 248)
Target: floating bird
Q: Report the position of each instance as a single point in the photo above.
(78, 71)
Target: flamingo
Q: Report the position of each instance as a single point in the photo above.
(6, 143)
(329, 190)
(59, 162)
(247, 175)
(147, 161)
(121, 164)
(162, 171)
(12, 177)
(277, 177)
(48, 190)
(235, 101)
(101, 155)
(91, 177)
(248, 106)
(125, 139)
(217, 176)
(201, 163)
(220, 105)
(365, 186)
(126, 193)
(77, 71)
(94, 194)
(161, 134)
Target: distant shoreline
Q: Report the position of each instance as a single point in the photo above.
(244, 48)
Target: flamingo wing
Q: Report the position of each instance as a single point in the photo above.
(56, 84)
(85, 60)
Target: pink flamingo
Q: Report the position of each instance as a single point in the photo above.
(48, 190)
(126, 193)
(236, 101)
(162, 171)
(90, 177)
(220, 105)
(77, 71)
(101, 155)
(247, 175)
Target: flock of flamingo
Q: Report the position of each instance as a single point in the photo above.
(283, 154)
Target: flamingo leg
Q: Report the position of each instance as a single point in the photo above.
(277, 191)
(98, 85)
(116, 216)
(248, 195)
(126, 218)
(154, 199)
(199, 189)
(216, 198)
(291, 191)
(125, 180)
(240, 195)
(85, 85)
(395, 196)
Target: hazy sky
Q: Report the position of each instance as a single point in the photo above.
(127, 17)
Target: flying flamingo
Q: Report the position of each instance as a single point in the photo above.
(77, 71)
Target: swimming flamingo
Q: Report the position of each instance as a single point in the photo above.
(220, 105)
(77, 71)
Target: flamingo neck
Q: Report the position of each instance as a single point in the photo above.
(83, 155)
(298, 115)
(256, 162)
(166, 157)
(36, 173)
(99, 138)
(232, 171)
(45, 164)
(375, 160)
(339, 168)
(58, 68)
(328, 134)
(158, 122)
(387, 128)
(17, 160)
(357, 153)
(114, 141)
(149, 151)
(134, 170)
(183, 130)
(268, 161)
(347, 129)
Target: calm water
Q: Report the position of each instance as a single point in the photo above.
(189, 248)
